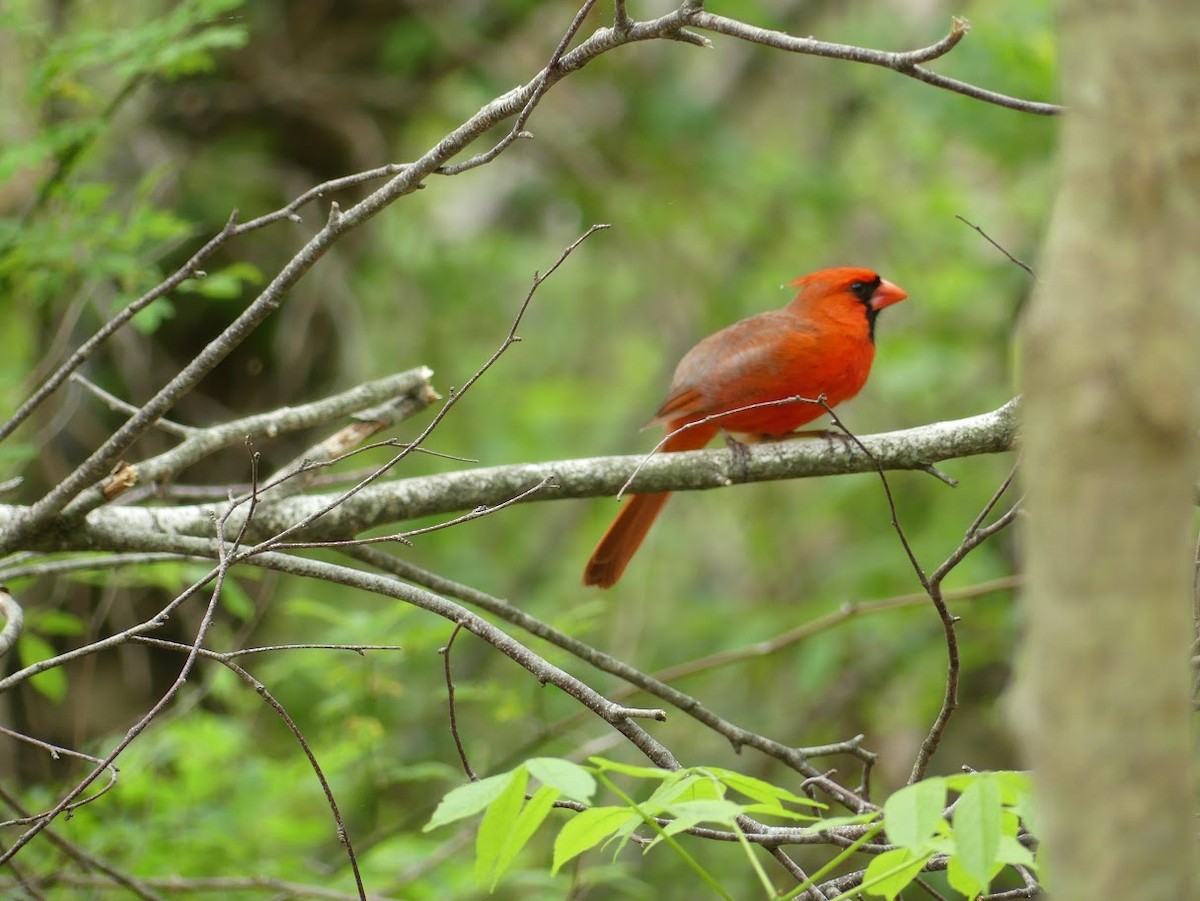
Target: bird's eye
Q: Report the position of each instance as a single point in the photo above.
(864, 290)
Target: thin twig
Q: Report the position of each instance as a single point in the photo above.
(86, 564)
(903, 63)
(846, 611)
(85, 350)
(462, 752)
(411, 386)
(995, 244)
(57, 752)
(543, 83)
(509, 340)
(691, 706)
(120, 406)
(403, 537)
(226, 660)
(85, 860)
(887, 490)
(222, 656)
(140, 726)
(976, 534)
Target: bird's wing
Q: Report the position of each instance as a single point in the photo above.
(742, 364)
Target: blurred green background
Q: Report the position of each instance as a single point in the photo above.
(724, 174)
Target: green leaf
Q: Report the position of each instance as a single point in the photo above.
(892, 871)
(497, 825)
(148, 319)
(690, 813)
(226, 283)
(758, 789)
(1011, 851)
(640, 772)
(961, 880)
(1026, 808)
(680, 787)
(532, 815)
(236, 600)
(1015, 786)
(467, 800)
(977, 828)
(587, 829)
(911, 815)
(52, 683)
(773, 810)
(571, 779)
(54, 622)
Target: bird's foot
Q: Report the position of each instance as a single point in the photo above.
(740, 453)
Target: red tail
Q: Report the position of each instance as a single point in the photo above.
(635, 518)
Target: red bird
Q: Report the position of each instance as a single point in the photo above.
(823, 342)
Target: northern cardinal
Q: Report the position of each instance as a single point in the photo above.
(822, 343)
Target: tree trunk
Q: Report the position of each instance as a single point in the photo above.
(1112, 383)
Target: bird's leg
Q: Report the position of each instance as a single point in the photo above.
(833, 436)
(740, 453)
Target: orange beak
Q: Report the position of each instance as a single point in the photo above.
(886, 295)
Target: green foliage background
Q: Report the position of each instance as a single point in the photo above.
(129, 134)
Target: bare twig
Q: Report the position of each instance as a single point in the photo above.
(298, 524)
(462, 752)
(226, 660)
(887, 491)
(85, 350)
(976, 534)
(995, 244)
(140, 726)
(903, 63)
(57, 752)
(85, 860)
(115, 403)
(847, 611)
(409, 178)
(403, 537)
(933, 588)
(685, 703)
(409, 392)
(542, 84)
(85, 564)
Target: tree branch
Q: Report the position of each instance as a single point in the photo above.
(404, 499)
(521, 102)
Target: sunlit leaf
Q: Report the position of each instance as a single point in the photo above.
(977, 828)
(587, 829)
(497, 826)
(467, 800)
(532, 815)
(892, 871)
(51, 683)
(571, 779)
(911, 815)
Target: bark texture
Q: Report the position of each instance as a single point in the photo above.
(1112, 372)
